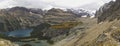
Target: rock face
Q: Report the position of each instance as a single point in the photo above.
(6, 43)
(110, 11)
(18, 18)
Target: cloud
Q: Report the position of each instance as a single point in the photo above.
(24, 3)
(94, 5)
(47, 4)
(5, 3)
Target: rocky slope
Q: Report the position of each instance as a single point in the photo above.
(54, 32)
(58, 15)
(110, 11)
(106, 33)
(18, 18)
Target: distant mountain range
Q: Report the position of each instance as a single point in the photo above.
(22, 18)
(81, 12)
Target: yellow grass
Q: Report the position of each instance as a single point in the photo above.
(65, 25)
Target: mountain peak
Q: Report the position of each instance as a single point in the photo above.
(18, 8)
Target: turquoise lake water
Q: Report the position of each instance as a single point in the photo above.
(26, 33)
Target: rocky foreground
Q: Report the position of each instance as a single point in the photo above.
(4, 42)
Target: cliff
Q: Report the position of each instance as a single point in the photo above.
(109, 12)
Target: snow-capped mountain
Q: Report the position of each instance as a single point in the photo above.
(81, 12)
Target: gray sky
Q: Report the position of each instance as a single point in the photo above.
(47, 4)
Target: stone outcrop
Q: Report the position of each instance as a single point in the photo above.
(110, 11)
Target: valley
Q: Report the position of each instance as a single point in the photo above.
(23, 26)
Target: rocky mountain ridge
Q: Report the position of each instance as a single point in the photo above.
(109, 12)
(18, 18)
(22, 18)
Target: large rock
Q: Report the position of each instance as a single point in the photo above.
(110, 11)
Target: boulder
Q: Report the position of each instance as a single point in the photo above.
(4, 42)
